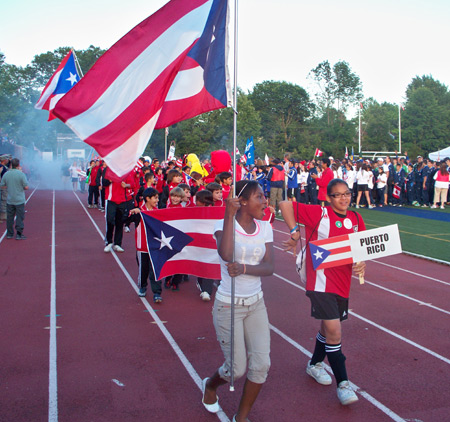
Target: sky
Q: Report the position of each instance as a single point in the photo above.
(386, 42)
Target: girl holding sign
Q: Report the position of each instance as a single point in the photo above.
(328, 289)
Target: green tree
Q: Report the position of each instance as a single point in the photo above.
(337, 87)
(283, 107)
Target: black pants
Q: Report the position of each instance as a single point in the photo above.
(93, 193)
(146, 272)
(205, 284)
(115, 216)
(102, 197)
(12, 211)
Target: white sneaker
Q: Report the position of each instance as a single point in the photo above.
(371, 206)
(108, 247)
(357, 206)
(433, 206)
(126, 229)
(318, 372)
(205, 296)
(442, 207)
(118, 248)
(345, 393)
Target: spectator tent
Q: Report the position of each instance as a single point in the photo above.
(443, 153)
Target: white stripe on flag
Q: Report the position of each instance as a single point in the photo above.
(193, 226)
(126, 155)
(338, 257)
(335, 245)
(118, 99)
(186, 84)
(55, 100)
(195, 253)
(49, 91)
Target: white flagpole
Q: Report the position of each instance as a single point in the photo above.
(399, 129)
(233, 282)
(359, 135)
(165, 144)
(77, 62)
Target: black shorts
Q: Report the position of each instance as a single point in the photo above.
(363, 188)
(328, 305)
(292, 192)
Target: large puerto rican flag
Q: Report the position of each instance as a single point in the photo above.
(61, 82)
(180, 241)
(171, 67)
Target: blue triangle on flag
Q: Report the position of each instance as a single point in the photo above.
(164, 241)
(318, 255)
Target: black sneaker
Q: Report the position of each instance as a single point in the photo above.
(10, 236)
(157, 298)
(142, 291)
(20, 236)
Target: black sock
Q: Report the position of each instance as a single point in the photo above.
(319, 350)
(337, 361)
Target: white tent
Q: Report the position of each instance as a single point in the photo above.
(439, 155)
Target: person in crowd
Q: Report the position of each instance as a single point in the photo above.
(205, 198)
(350, 178)
(174, 178)
(292, 181)
(187, 199)
(216, 190)
(102, 183)
(119, 195)
(442, 179)
(176, 197)
(4, 160)
(261, 178)
(226, 180)
(312, 185)
(432, 169)
(381, 186)
(419, 182)
(150, 197)
(389, 170)
(302, 181)
(276, 179)
(328, 289)
(425, 184)
(74, 170)
(93, 192)
(254, 243)
(410, 186)
(323, 180)
(362, 182)
(399, 179)
(15, 182)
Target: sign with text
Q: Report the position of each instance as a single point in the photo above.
(355, 247)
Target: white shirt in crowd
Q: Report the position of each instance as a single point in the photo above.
(363, 176)
(381, 180)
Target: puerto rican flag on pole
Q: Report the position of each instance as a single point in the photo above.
(355, 247)
(318, 153)
(346, 152)
(171, 67)
(64, 78)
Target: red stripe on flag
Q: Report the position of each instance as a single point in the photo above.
(340, 250)
(335, 239)
(335, 263)
(202, 240)
(175, 267)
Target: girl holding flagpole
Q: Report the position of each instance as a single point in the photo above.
(253, 259)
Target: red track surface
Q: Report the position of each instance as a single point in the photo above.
(106, 333)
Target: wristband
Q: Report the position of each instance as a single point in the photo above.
(295, 229)
(295, 240)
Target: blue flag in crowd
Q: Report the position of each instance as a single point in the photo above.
(250, 151)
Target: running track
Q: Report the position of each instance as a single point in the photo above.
(78, 344)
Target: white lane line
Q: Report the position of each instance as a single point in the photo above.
(412, 272)
(4, 233)
(399, 268)
(428, 305)
(52, 375)
(380, 327)
(184, 360)
(363, 393)
(420, 302)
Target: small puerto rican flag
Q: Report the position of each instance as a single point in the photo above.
(331, 252)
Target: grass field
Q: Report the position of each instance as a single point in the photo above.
(421, 236)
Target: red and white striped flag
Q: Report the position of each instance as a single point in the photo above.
(346, 152)
(334, 250)
(180, 241)
(396, 192)
(318, 153)
(169, 68)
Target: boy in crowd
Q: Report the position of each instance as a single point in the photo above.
(93, 192)
(176, 197)
(150, 196)
(205, 198)
(187, 201)
(216, 191)
(226, 180)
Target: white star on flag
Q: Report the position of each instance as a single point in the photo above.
(72, 79)
(165, 241)
(318, 255)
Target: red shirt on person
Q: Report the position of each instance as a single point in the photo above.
(322, 182)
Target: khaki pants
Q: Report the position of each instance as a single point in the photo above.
(251, 338)
(276, 196)
(440, 195)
